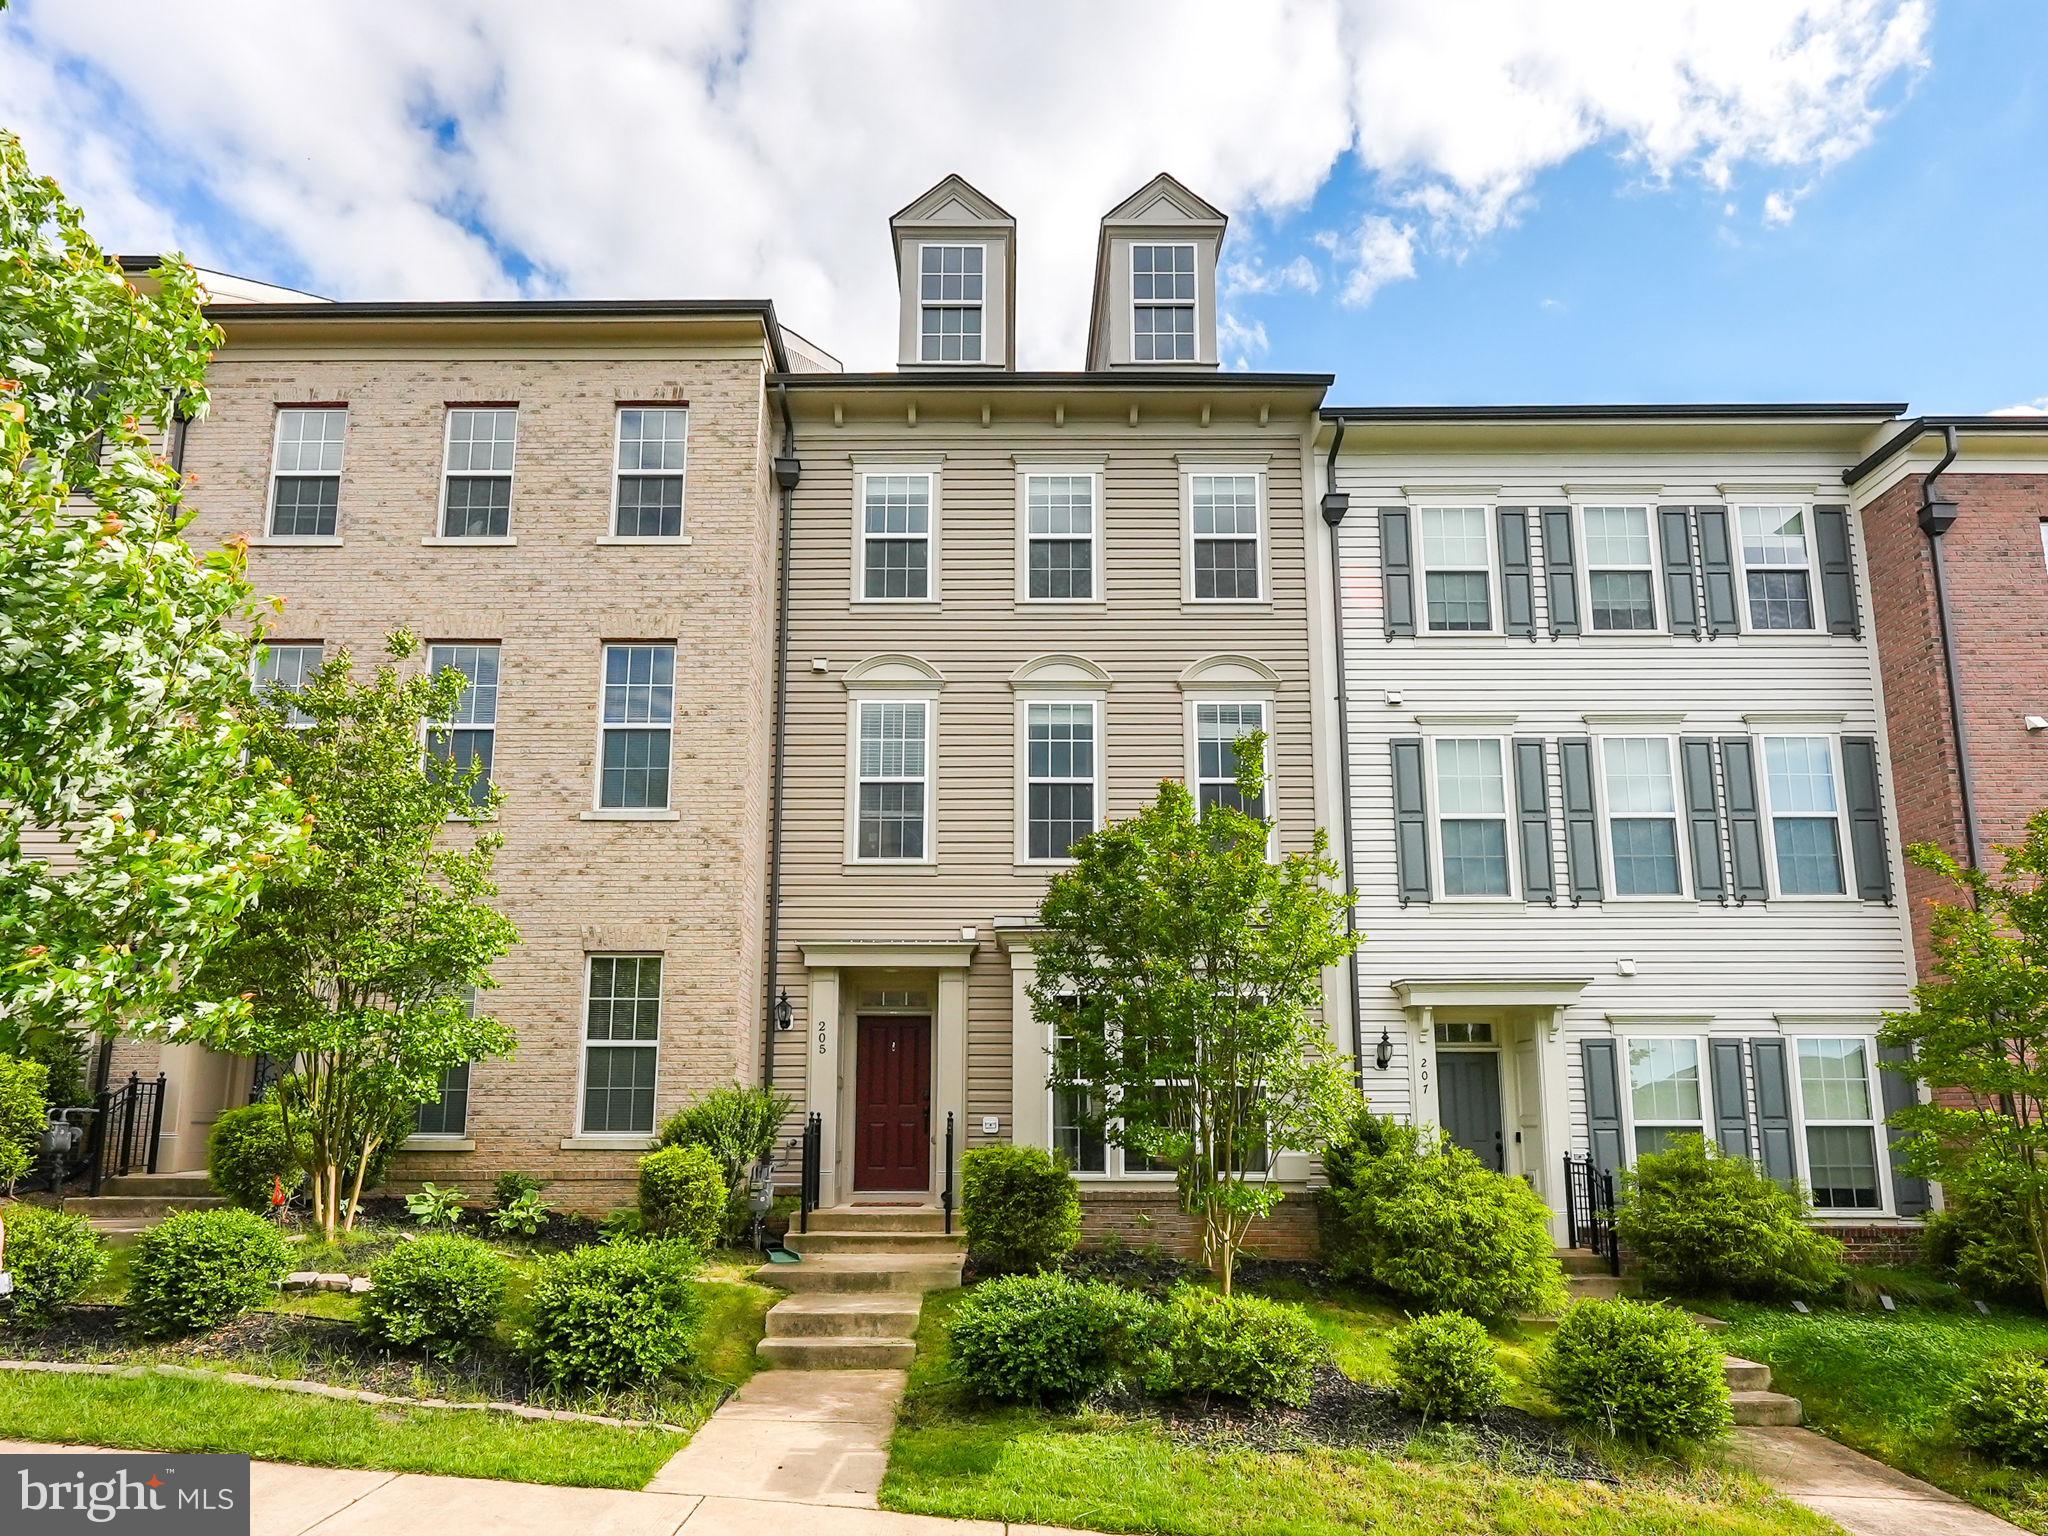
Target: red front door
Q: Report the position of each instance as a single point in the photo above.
(892, 1102)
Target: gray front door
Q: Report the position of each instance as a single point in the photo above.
(1468, 1082)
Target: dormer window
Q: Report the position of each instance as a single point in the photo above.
(1163, 303)
(950, 289)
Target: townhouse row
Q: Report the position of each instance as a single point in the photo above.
(801, 684)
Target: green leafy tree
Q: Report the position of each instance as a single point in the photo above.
(1184, 967)
(362, 965)
(124, 656)
(1979, 1035)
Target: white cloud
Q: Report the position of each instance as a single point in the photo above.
(386, 148)
(1239, 340)
(1244, 274)
(2038, 406)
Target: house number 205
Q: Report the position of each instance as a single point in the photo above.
(821, 1037)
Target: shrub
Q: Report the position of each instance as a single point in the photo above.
(737, 1125)
(1244, 1348)
(613, 1315)
(1444, 1367)
(511, 1185)
(63, 1053)
(1418, 1216)
(2003, 1410)
(52, 1256)
(247, 1152)
(1020, 1207)
(21, 1117)
(1979, 1238)
(1702, 1223)
(438, 1293)
(199, 1269)
(1045, 1338)
(433, 1206)
(525, 1214)
(682, 1194)
(1638, 1371)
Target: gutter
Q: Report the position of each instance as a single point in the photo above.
(1334, 505)
(1852, 410)
(1936, 518)
(788, 470)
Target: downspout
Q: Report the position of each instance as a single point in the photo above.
(788, 469)
(1936, 517)
(1335, 504)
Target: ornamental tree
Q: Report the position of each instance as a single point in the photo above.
(1183, 967)
(124, 656)
(362, 964)
(1979, 1034)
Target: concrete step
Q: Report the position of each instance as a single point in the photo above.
(182, 1185)
(1766, 1408)
(902, 1275)
(139, 1207)
(1601, 1287)
(837, 1354)
(824, 1314)
(885, 1218)
(1745, 1375)
(1581, 1261)
(865, 1241)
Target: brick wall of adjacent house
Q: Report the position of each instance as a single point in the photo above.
(1152, 1219)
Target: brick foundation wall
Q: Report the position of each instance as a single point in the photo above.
(1879, 1243)
(1153, 1219)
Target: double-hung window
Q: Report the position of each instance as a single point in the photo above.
(1457, 570)
(1836, 1104)
(1777, 566)
(636, 723)
(1074, 1137)
(1163, 303)
(305, 472)
(1059, 536)
(1621, 570)
(892, 772)
(1219, 726)
(896, 536)
(950, 281)
(1642, 814)
(447, 1113)
(476, 495)
(1666, 1099)
(1472, 815)
(468, 738)
(1060, 765)
(621, 1042)
(649, 496)
(1227, 535)
(1805, 804)
(282, 668)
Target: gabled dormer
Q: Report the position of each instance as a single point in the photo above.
(956, 272)
(1155, 281)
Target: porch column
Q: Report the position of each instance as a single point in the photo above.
(821, 1074)
(949, 1073)
(1030, 1104)
(1553, 1063)
(1422, 1066)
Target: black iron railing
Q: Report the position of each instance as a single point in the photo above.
(1589, 1210)
(127, 1128)
(812, 1180)
(946, 1199)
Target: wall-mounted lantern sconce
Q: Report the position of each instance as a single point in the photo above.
(1383, 1055)
(785, 1016)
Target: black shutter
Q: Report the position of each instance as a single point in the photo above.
(1745, 819)
(1866, 818)
(1909, 1191)
(1703, 817)
(1517, 593)
(1581, 818)
(1837, 570)
(1603, 1102)
(1731, 1097)
(1681, 610)
(1532, 816)
(1397, 571)
(1411, 821)
(1717, 571)
(1560, 579)
(1773, 1109)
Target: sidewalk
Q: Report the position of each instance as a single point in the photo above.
(1861, 1495)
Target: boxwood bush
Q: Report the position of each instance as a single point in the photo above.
(1701, 1223)
(1637, 1371)
(1020, 1207)
(21, 1117)
(1444, 1367)
(199, 1269)
(682, 1194)
(438, 1294)
(737, 1124)
(247, 1151)
(1243, 1348)
(53, 1257)
(613, 1314)
(2003, 1411)
(1045, 1338)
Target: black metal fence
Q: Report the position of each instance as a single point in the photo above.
(812, 1180)
(1589, 1210)
(127, 1128)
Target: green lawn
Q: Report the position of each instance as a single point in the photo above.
(1109, 1472)
(1882, 1382)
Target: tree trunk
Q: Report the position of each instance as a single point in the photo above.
(355, 1193)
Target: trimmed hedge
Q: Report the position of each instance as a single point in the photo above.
(438, 1293)
(614, 1314)
(1639, 1372)
(1045, 1338)
(199, 1269)
(1019, 1206)
(1243, 1348)
(1444, 1367)
(682, 1195)
(1701, 1223)
(53, 1257)
(247, 1150)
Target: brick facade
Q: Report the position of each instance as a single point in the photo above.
(1152, 1219)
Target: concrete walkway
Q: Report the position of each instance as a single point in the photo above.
(801, 1437)
(1864, 1497)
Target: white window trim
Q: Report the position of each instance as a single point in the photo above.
(460, 1140)
(860, 535)
(930, 699)
(589, 1138)
(1490, 539)
(1813, 592)
(1194, 753)
(1025, 700)
(979, 305)
(612, 534)
(1879, 1148)
(1433, 803)
(255, 659)
(1114, 1170)
(598, 810)
(1701, 1056)
(428, 727)
(1655, 570)
(1131, 266)
(270, 533)
(1679, 825)
(1026, 473)
(1843, 851)
(440, 534)
(1189, 473)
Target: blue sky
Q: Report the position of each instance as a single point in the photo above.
(1466, 201)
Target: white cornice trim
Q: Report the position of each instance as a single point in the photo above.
(1494, 991)
(893, 669)
(890, 954)
(1794, 717)
(1633, 717)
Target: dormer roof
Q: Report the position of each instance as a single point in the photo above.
(955, 212)
(1163, 209)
